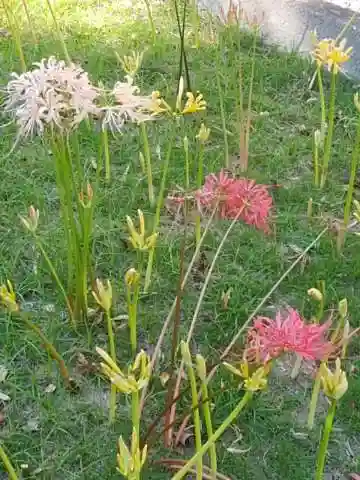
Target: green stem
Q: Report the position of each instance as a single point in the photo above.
(351, 186)
(196, 23)
(223, 120)
(215, 436)
(147, 156)
(56, 278)
(24, 2)
(8, 465)
(15, 31)
(209, 428)
(325, 441)
(151, 20)
(316, 164)
(199, 180)
(158, 211)
(329, 136)
(54, 354)
(187, 167)
(197, 424)
(105, 140)
(112, 410)
(322, 97)
(248, 116)
(135, 412)
(314, 399)
(58, 31)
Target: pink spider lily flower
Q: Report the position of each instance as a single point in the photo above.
(216, 193)
(289, 333)
(255, 202)
(234, 197)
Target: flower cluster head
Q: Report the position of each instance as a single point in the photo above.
(130, 462)
(8, 297)
(240, 198)
(289, 333)
(51, 95)
(254, 376)
(135, 379)
(138, 239)
(103, 294)
(56, 95)
(331, 53)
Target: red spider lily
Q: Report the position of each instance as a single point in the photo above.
(231, 195)
(289, 333)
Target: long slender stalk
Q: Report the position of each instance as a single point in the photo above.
(196, 416)
(316, 164)
(320, 464)
(105, 139)
(27, 13)
(204, 288)
(216, 435)
(147, 156)
(249, 112)
(59, 34)
(8, 465)
(351, 186)
(56, 278)
(209, 427)
(199, 180)
(223, 120)
(159, 205)
(151, 20)
(135, 412)
(314, 399)
(15, 32)
(322, 96)
(110, 331)
(330, 131)
(195, 22)
(54, 354)
(172, 308)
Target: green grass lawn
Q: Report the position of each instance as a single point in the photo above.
(62, 435)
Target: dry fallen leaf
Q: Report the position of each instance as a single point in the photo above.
(50, 388)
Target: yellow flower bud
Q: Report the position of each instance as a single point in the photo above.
(185, 353)
(357, 101)
(103, 294)
(203, 134)
(186, 144)
(343, 307)
(201, 367)
(132, 277)
(138, 239)
(334, 384)
(315, 294)
(8, 297)
(131, 462)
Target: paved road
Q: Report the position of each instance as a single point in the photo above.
(289, 22)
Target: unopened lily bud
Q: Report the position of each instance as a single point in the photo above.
(315, 294)
(357, 101)
(317, 138)
(8, 297)
(86, 199)
(103, 294)
(334, 384)
(186, 144)
(185, 353)
(343, 307)
(203, 134)
(201, 367)
(180, 94)
(132, 277)
(32, 220)
(309, 208)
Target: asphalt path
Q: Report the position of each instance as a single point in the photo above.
(289, 23)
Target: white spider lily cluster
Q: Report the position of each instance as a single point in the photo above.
(60, 96)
